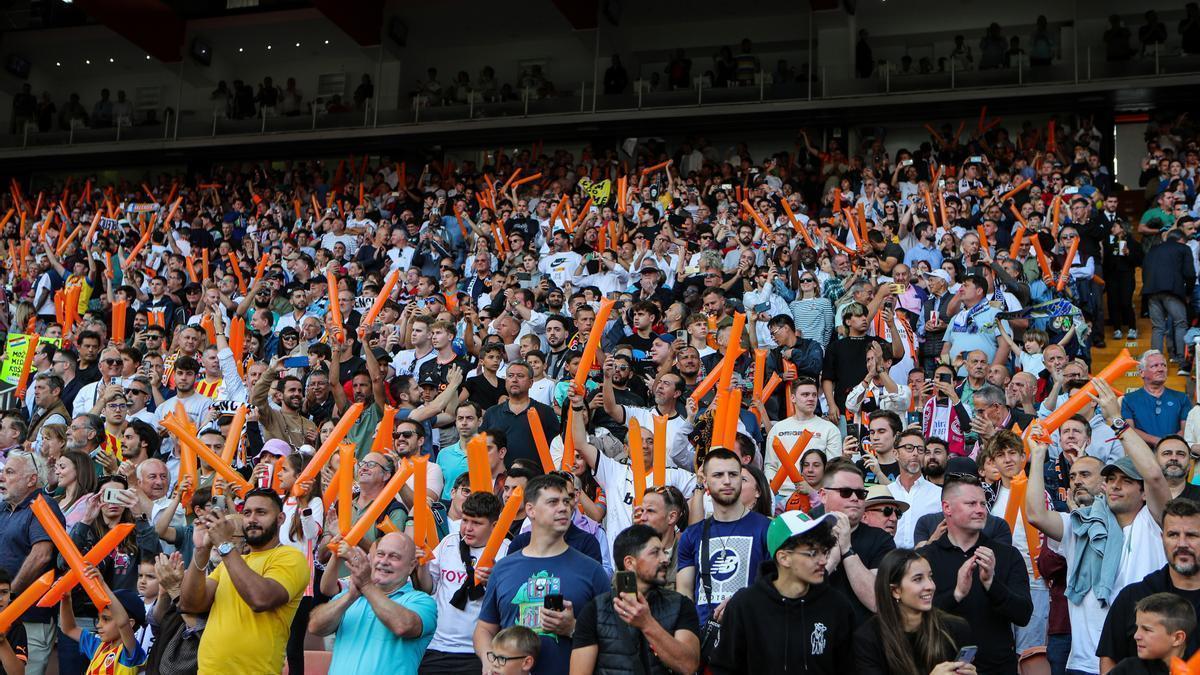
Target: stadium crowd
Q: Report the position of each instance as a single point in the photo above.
(834, 410)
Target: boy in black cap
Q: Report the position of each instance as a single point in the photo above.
(113, 648)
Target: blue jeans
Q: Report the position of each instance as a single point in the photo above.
(1058, 650)
(1168, 320)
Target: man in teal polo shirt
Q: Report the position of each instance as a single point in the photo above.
(383, 624)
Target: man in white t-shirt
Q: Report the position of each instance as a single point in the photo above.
(408, 361)
(825, 435)
(667, 391)
(616, 478)
(458, 586)
(1134, 494)
(561, 262)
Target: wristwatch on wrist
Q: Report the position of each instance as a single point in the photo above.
(225, 549)
(1119, 426)
(849, 553)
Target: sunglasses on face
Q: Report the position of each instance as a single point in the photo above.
(404, 434)
(887, 511)
(112, 362)
(846, 493)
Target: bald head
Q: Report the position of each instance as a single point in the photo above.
(393, 559)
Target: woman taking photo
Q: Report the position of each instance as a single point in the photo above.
(909, 636)
(114, 505)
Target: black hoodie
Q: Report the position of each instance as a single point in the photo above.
(764, 632)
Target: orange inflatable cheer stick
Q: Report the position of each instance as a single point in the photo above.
(136, 250)
(345, 483)
(593, 343)
(25, 600)
(1015, 249)
(66, 548)
(1116, 368)
(335, 310)
(1043, 261)
(660, 451)
(1008, 195)
(383, 431)
(237, 271)
(789, 460)
(208, 456)
(369, 516)
(95, 556)
(515, 501)
(760, 366)
(235, 435)
(527, 179)
(511, 177)
(26, 366)
(651, 169)
(478, 468)
(321, 457)
(539, 439)
(568, 456)
(1066, 270)
(757, 218)
(733, 413)
(983, 240)
(637, 461)
(119, 309)
(709, 381)
(204, 264)
(787, 208)
(382, 298)
(772, 384)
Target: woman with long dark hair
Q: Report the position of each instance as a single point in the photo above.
(756, 491)
(909, 636)
(116, 504)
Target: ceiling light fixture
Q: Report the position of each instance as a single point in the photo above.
(111, 60)
(268, 47)
(87, 62)
(58, 63)
(327, 42)
(242, 49)
(297, 44)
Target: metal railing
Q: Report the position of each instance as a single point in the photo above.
(827, 83)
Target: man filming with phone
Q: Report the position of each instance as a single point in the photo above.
(667, 620)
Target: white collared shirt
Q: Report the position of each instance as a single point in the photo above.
(924, 498)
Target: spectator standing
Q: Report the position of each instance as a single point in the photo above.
(382, 623)
(615, 77)
(1155, 410)
(1135, 494)
(763, 632)
(24, 107)
(909, 634)
(26, 551)
(655, 626)
(977, 579)
(1181, 533)
(721, 553)
(458, 587)
(543, 573)
(250, 598)
(1168, 275)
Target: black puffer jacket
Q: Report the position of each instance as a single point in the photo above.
(621, 645)
(764, 632)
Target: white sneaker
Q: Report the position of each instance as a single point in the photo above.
(1117, 334)
(1132, 334)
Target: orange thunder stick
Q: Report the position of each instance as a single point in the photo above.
(657, 167)
(26, 599)
(1016, 245)
(593, 343)
(26, 366)
(1116, 368)
(539, 439)
(1066, 269)
(345, 486)
(95, 556)
(515, 501)
(637, 461)
(789, 460)
(660, 451)
(321, 457)
(370, 515)
(66, 548)
(478, 469)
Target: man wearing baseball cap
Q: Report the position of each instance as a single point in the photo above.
(789, 620)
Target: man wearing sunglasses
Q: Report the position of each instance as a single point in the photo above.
(91, 398)
(882, 510)
(860, 547)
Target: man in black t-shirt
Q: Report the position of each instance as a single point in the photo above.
(860, 547)
(1180, 576)
(846, 359)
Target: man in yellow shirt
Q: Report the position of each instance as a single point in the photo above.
(251, 599)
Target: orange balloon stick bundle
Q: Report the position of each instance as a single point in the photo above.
(1116, 368)
(66, 548)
